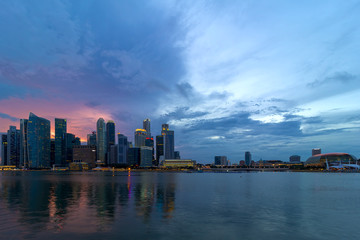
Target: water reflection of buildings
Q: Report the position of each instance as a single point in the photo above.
(92, 202)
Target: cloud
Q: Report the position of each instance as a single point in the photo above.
(7, 116)
(337, 77)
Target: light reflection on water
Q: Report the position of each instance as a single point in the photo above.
(42, 205)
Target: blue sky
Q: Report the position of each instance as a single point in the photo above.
(275, 78)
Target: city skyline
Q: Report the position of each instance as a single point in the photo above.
(273, 78)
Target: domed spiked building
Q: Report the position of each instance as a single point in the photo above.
(332, 160)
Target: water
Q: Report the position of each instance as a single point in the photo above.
(146, 205)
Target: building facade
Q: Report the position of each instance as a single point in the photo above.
(60, 141)
(24, 150)
(169, 141)
(248, 159)
(101, 140)
(122, 149)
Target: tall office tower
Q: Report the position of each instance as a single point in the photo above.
(77, 141)
(177, 155)
(146, 126)
(91, 139)
(122, 149)
(60, 141)
(159, 148)
(101, 140)
(315, 151)
(113, 154)
(13, 146)
(38, 142)
(110, 137)
(221, 161)
(149, 142)
(70, 142)
(3, 149)
(146, 157)
(133, 156)
(140, 137)
(247, 158)
(52, 152)
(24, 154)
(86, 154)
(169, 142)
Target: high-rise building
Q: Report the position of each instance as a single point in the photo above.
(169, 141)
(247, 158)
(140, 137)
(133, 156)
(38, 142)
(315, 151)
(3, 149)
(122, 149)
(294, 159)
(149, 142)
(220, 161)
(177, 155)
(91, 139)
(24, 150)
(159, 148)
(70, 142)
(110, 134)
(101, 140)
(146, 126)
(146, 157)
(52, 152)
(60, 142)
(113, 154)
(13, 146)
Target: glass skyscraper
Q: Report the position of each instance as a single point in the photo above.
(110, 137)
(13, 146)
(60, 141)
(24, 154)
(122, 149)
(38, 142)
(140, 137)
(4, 149)
(101, 140)
(247, 158)
(146, 126)
(169, 142)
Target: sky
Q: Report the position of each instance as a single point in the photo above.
(275, 78)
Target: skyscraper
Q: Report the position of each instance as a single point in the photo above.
(60, 141)
(122, 149)
(91, 139)
(146, 126)
(169, 141)
(247, 158)
(140, 137)
(159, 148)
(71, 141)
(110, 137)
(3, 149)
(221, 160)
(101, 140)
(13, 146)
(24, 154)
(38, 141)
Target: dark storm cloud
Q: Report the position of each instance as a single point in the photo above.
(7, 116)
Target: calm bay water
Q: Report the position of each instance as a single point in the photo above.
(146, 205)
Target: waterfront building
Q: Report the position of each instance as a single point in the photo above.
(110, 137)
(177, 155)
(332, 160)
(91, 139)
(294, 159)
(113, 154)
(3, 150)
(60, 142)
(38, 142)
(101, 140)
(85, 154)
(146, 126)
(149, 142)
(315, 151)
(52, 152)
(220, 161)
(133, 156)
(122, 149)
(146, 156)
(24, 154)
(13, 146)
(140, 137)
(169, 141)
(70, 142)
(248, 159)
(159, 148)
(178, 163)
